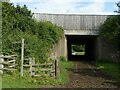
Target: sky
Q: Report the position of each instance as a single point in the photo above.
(104, 7)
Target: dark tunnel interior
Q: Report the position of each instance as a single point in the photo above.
(90, 43)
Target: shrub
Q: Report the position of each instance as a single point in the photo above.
(63, 58)
(40, 37)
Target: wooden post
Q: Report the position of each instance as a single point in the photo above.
(53, 68)
(22, 57)
(33, 68)
(1, 64)
(30, 63)
(57, 66)
(14, 64)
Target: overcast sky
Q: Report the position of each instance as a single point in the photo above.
(70, 6)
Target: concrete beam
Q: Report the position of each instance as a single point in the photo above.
(81, 32)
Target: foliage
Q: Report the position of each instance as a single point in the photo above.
(111, 29)
(79, 48)
(63, 58)
(118, 5)
(17, 23)
(110, 68)
(17, 82)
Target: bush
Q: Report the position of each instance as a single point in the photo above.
(105, 60)
(63, 58)
(40, 37)
(111, 30)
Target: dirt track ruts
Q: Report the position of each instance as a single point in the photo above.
(86, 75)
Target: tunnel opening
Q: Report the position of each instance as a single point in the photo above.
(78, 49)
(81, 47)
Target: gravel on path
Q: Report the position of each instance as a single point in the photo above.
(86, 75)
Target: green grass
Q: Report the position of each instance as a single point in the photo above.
(14, 81)
(64, 71)
(0, 82)
(110, 68)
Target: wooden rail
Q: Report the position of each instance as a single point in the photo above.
(8, 63)
(35, 70)
(52, 69)
(34, 65)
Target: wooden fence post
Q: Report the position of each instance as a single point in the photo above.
(14, 64)
(1, 71)
(1, 64)
(30, 63)
(33, 68)
(53, 68)
(22, 57)
(57, 66)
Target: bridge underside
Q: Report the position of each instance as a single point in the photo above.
(89, 41)
(81, 32)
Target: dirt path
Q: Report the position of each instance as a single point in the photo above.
(86, 75)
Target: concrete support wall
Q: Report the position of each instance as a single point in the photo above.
(98, 48)
(60, 49)
(106, 50)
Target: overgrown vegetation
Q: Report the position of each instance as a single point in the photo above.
(111, 31)
(62, 58)
(111, 28)
(40, 37)
(25, 82)
(110, 68)
(79, 48)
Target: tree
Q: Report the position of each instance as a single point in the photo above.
(111, 28)
(118, 5)
(78, 48)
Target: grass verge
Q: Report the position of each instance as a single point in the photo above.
(110, 68)
(14, 81)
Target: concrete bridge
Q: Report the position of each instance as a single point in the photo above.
(79, 29)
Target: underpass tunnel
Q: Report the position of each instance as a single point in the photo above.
(88, 42)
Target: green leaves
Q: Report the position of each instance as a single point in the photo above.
(111, 30)
(39, 37)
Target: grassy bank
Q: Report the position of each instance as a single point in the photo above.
(110, 68)
(14, 81)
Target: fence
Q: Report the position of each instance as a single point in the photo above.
(7, 63)
(35, 70)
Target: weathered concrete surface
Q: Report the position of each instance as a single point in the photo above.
(74, 24)
(60, 49)
(81, 32)
(105, 49)
(80, 25)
